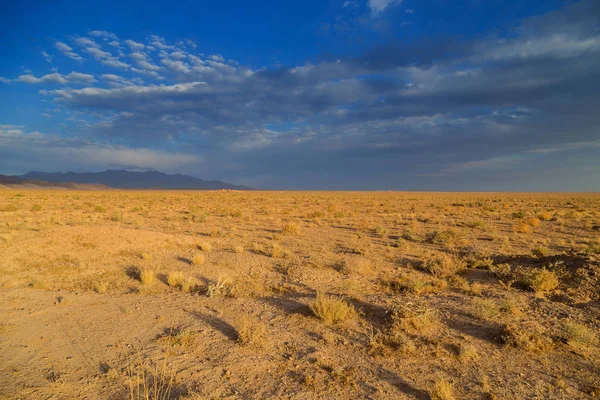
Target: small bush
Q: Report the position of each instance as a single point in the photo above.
(528, 336)
(502, 271)
(100, 209)
(331, 309)
(443, 265)
(250, 332)
(418, 286)
(580, 334)
(540, 252)
(36, 207)
(533, 221)
(541, 280)
(523, 228)
(238, 249)
(518, 215)
(221, 288)
(544, 216)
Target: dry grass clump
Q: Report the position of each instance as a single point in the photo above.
(222, 287)
(443, 265)
(250, 332)
(418, 285)
(198, 259)
(580, 334)
(238, 249)
(149, 379)
(36, 208)
(442, 390)
(100, 286)
(147, 276)
(527, 336)
(205, 247)
(467, 352)
(443, 238)
(502, 271)
(177, 336)
(175, 278)
(276, 251)
(146, 256)
(544, 216)
(291, 228)
(331, 309)
(540, 251)
(356, 265)
(490, 309)
(188, 285)
(415, 321)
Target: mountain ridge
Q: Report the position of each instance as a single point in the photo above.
(124, 179)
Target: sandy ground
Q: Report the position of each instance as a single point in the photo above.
(78, 322)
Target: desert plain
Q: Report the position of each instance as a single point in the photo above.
(116, 294)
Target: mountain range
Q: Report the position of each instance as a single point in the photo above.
(120, 179)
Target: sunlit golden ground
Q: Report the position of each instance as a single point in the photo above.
(299, 295)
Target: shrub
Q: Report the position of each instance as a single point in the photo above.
(544, 216)
(540, 252)
(238, 249)
(541, 280)
(501, 271)
(518, 215)
(443, 265)
(528, 336)
(331, 309)
(100, 209)
(580, 334)
(523, 228)
(250, 332)
(533, 221)
(36, 207)
(417, 285)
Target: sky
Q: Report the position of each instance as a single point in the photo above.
(332, 95)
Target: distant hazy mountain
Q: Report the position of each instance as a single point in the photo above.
(132, 180)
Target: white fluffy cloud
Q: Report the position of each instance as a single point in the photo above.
(378, 6)
(68, 51)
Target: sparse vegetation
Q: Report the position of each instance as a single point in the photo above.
(368, 295)
(331, 309)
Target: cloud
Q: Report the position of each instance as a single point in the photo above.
(135, 45)
(68, 51)
(73, 77)
(465, 110)
(378, 6)
(35, 150)
(47, 56)
(103, 34)
(5, 80)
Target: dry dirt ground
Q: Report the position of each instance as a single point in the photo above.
(299, 295)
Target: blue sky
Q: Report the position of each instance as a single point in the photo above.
(372, 94)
